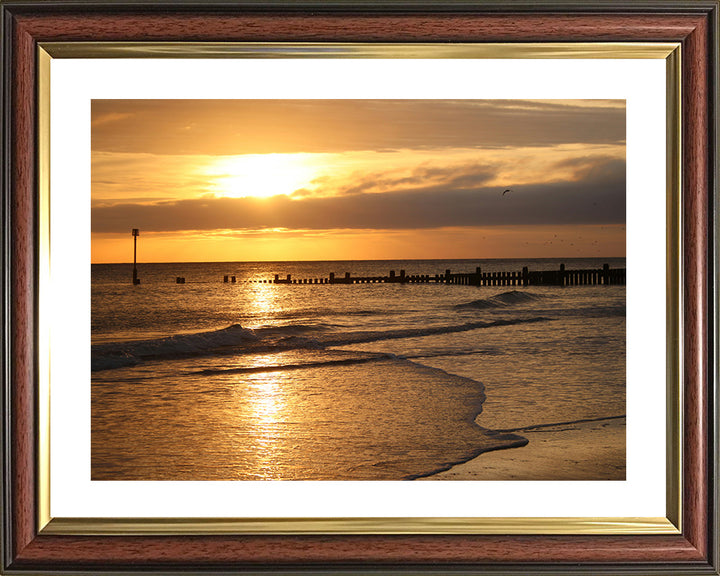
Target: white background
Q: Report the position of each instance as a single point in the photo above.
(75, 82)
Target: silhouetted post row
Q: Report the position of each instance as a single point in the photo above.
(558, 277)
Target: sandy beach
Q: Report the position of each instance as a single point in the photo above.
(579, 451)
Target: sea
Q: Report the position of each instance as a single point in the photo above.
(253, 380)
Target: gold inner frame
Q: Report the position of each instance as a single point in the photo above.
(670, 524)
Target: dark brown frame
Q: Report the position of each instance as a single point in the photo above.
(693, 23)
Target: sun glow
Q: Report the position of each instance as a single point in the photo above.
(261, 175)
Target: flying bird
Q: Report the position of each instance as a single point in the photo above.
(506, 191)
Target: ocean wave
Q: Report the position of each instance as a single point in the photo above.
(375, 336)
(119, 354)
(455, 353)
(236, 339)
(601, 312)
(502, 300)
(516, 297)
(289, 330)
(320, 312)
(359, 359)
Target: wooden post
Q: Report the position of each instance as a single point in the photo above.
(402, 275)
(277, 278)
(347, 278)
(332, 277)
(561, 278)
(606, 274)
(135, 233)
(226, 278)
(233, 279)
(525, 276)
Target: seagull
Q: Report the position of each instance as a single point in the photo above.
(506, 191)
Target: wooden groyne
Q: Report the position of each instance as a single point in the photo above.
(604, 276)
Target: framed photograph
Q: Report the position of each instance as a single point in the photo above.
(350, 287)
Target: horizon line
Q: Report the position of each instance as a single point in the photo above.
(365, 260)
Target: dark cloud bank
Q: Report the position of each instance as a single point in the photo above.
(599, 198)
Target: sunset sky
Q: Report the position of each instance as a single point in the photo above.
(249, 180)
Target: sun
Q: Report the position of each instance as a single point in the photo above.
(260, 175)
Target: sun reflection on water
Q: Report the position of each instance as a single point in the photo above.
(266, 398)
(264, 395)
(265, 414)
(262, 302)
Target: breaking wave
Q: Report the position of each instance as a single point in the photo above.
(236, 339)
(116, 355)
(502, 300)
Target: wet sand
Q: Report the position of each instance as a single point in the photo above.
(578, 451)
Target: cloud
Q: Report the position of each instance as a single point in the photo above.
(451, 177)
(591, 166)
(146, 175)
(599, 198)
(110, 117)
(230, 127)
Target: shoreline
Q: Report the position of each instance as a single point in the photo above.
(585, 450)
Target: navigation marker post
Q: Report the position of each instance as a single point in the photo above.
(135, 233)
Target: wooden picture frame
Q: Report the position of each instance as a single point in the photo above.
(28, 547)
